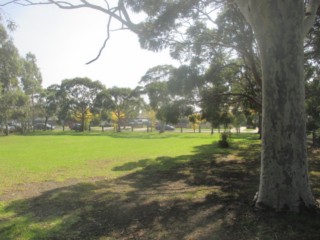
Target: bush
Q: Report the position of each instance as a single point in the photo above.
(223, 142)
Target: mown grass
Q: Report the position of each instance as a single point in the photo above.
(47, 157)
(139, 186)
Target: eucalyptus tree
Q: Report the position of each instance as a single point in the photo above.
(225, 50)
(211, 108)
(49, 102)
(79, 95)
(173, 112)
(279, 28)
(313, 101)
(31, 80)
(102, 107)
(159, 99)
(63, 110)
(121, 102)
(21, 113)
(154, 83)
(13, 104)
(10, 66)
(167, 94)
(312, 42)
(312, 73)
(195, 119)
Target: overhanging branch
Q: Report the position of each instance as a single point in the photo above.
(118, 12)
(7, 3)
(104, 43)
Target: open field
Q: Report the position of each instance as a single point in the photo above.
(139, 186)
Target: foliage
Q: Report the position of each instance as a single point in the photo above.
(312, 61)
(117, 117)
(121, 103)
(165, 93)
(10, 66)
(10, 94)
(84, 118)
(158, 94)
(239, 119)
(31, 80)
(19, 78)
(79, 95)
(31, 76)
(223, 142)
(48, 101)
(13, 103)
(152, 118)
(313, 103)
(195, 119)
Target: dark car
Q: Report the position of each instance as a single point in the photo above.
(43, 126)
(76, 127)
(166, 127)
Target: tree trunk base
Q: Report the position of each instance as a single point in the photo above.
(303, 208)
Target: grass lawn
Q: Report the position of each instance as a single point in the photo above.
(65, 185)
(46, 158)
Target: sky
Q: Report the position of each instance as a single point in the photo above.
(64, 40)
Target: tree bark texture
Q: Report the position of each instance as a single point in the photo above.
(279, 29)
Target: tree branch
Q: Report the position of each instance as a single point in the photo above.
(310, 15)
(241, 96)
(7, 3)
(104, 43)
(118, 13)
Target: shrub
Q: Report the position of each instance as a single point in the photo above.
(223, 142)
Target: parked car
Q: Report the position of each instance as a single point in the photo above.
(139, 122)
(76, 127)
(105, 124)
(166, 127)
(11, 129)
(43, 126)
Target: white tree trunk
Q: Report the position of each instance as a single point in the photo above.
(279, 29)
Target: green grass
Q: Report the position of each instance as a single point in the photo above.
(65, 185)
(59, 157)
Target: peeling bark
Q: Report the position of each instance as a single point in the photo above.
(279, 27)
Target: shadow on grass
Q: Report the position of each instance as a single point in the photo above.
(206, 195)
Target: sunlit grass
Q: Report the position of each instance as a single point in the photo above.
(45, 157)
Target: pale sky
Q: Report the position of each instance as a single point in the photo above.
(64, 40)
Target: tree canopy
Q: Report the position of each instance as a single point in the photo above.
(80, 94)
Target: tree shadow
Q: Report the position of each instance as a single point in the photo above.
(205, 195)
